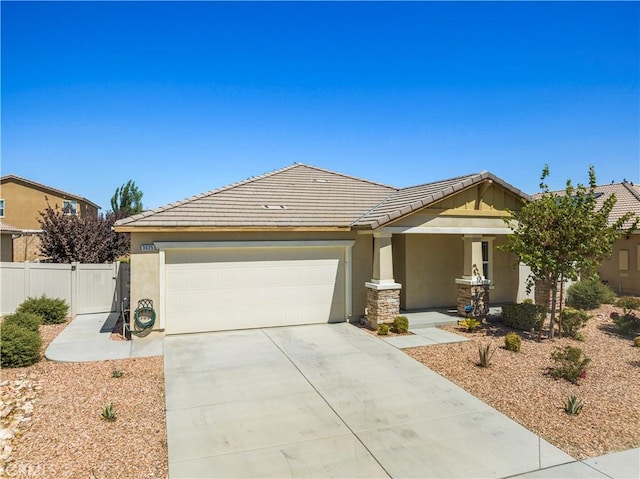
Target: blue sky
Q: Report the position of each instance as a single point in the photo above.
(186, 97)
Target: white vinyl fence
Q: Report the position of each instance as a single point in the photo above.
(87, 288)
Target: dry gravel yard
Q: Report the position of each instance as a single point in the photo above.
(517, 384)
(66, 438)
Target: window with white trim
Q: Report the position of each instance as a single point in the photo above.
(70, 207)
(487, 259)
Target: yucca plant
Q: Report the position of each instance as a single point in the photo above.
(108, 412)
(486, 353)
(573, 405)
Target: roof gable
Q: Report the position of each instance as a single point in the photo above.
(45, 188)
(409, 200)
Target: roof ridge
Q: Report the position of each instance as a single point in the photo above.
(632, 190)
(364, 215)
(42, 185)
(345, 175)
(175, 204)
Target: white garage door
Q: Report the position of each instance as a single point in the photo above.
(236, 288)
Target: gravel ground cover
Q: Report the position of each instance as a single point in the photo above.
(65, 436)
(518, 384)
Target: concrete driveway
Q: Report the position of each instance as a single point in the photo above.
(329, 401)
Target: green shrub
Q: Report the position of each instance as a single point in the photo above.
(629, 302)
(527, 301)
(589, 294)
(512, 342)
(19, 346)
(524, 316)
(627, 323)
(400, 325)
(470, 324)
(572, 321)
(636, 341)
(383, 329)
(52, 310)
(28, 321)
(570, 363)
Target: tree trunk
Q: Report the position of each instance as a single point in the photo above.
(560, 306)
(554, 295)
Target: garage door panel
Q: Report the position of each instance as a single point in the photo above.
(213, 290)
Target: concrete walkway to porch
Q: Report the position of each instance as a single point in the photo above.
(424, 326)
(86, 339)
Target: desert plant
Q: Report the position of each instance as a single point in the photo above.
(512, 342)
(589, 294)
(116, 373)
(570, 363)
(383, 329)
(28, 321)
(52, 310)
(400, 325)
(108, 413)
(20, 346)
(485, 354)
(573, 405)
(470, 324)
(628, 323)
(629, 302)
(572, 321)
(524, 316)
(636, 341)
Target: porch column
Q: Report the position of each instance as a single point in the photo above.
(473, 287)
(383, 293)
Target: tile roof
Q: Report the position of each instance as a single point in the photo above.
(296, 196)
(63, 194)
(627, 199)
(303, 196)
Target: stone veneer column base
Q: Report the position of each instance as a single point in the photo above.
(383, 303)
(466, 289)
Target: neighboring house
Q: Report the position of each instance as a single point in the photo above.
(6, 241)
(622, 270)
(305, 245)
(21, 202)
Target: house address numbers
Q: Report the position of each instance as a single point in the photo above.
(147, 247)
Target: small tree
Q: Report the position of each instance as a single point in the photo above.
(127, 200)
(85, 239)
(564, 236)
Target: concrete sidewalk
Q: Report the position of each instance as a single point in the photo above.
(86, 338)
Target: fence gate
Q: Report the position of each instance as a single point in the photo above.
(87, 288)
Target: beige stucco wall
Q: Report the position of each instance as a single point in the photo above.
(145, 265)
(623, 282)
(23, 202)
(427, 266)
(6, 248)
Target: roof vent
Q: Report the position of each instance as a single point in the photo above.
(320, 180)
(274, 207)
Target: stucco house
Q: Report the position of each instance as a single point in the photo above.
(306, 245)
(622, 270)
(22, 200)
